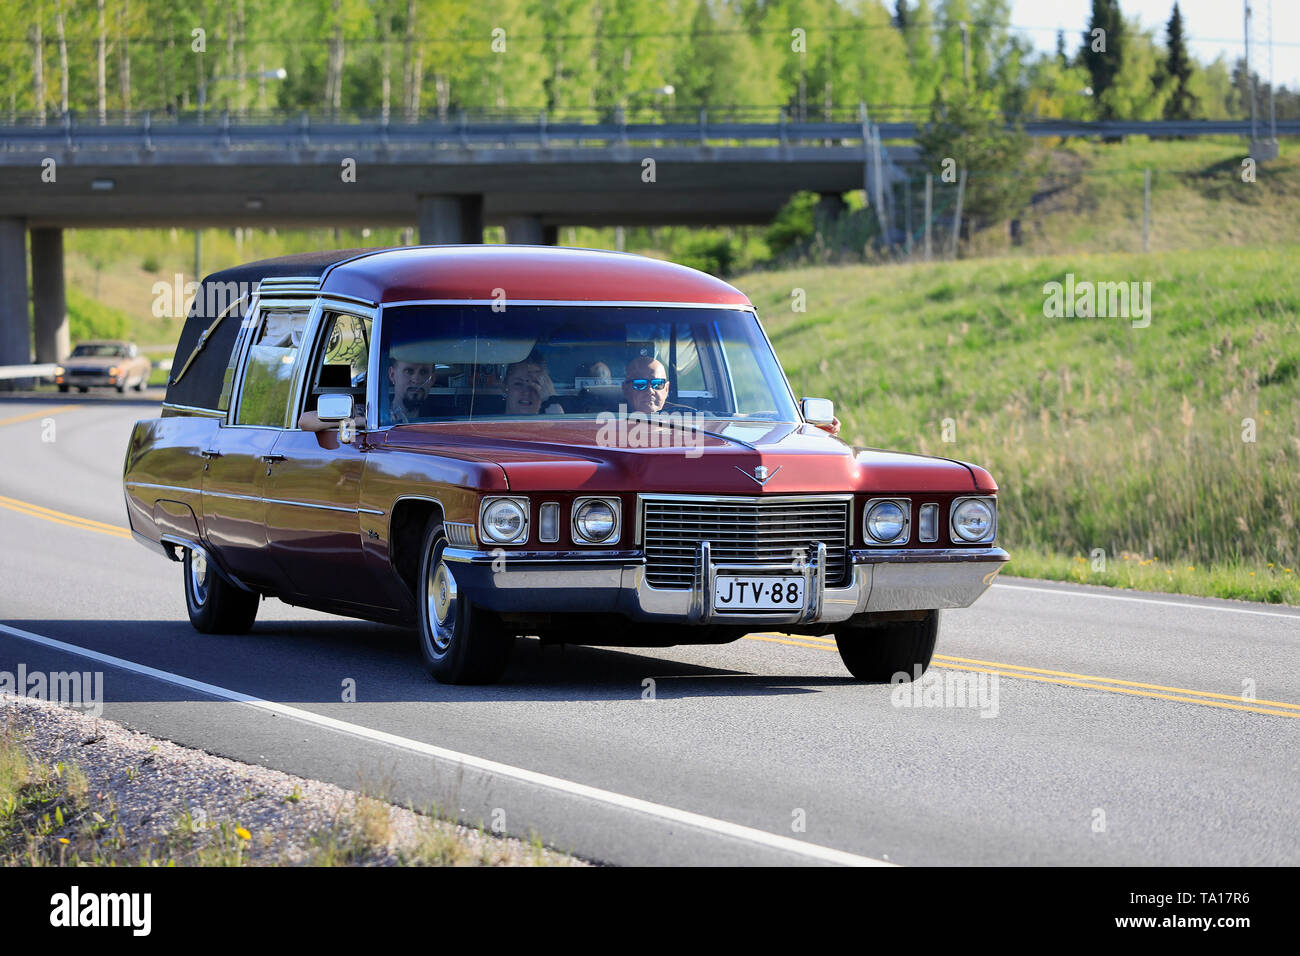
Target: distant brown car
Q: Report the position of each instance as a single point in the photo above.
(103, 364)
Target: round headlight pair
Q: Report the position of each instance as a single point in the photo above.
(505, 520)
(595, 520)
(972, 520)
(886, 522)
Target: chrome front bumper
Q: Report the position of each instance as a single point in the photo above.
(615, 582)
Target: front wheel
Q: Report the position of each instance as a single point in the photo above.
(460, 643)
(877, 653)
(215, 605)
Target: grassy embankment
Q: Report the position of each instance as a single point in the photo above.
(1101, 435)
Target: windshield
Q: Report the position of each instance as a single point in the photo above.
(104, 351)
(471, 362)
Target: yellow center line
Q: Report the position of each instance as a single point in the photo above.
(1086, 681)
(40, 414)
(60, 517)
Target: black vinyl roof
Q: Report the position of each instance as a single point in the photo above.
(200, 385)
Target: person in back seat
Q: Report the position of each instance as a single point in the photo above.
(529, 390)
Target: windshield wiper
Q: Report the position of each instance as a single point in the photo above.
(703, 431)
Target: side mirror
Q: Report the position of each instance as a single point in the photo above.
(334, 407)
(338, 408)
(818, 411)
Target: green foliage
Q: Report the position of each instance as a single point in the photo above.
(1176, 70)
(1102, 51)
(794, 224)
(89, 319)
(969, 130)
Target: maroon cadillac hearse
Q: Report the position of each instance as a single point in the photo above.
(484, 442)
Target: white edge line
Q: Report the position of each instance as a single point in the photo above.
(672, 814)
(1124, 597)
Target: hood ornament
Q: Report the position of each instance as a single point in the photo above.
(760, 473)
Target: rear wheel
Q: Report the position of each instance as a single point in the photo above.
(460, 643)
(879, 652)
(144, 380)
(215, 605)
(82, 389)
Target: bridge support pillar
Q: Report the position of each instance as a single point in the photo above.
(15, 330)
(450, 219)
(529, 231)
(49, 300)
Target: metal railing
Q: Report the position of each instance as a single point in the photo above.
(465, 130)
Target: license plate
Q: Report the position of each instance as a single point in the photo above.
(737, 593)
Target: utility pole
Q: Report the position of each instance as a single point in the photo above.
(956, 218)
(1250, 71)
(965, 52)
(929, 206)
(1146, 210)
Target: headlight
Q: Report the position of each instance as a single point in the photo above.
(973, 519)
(59, 370)
(505, 520)
(114, 370)
(595, 520)
(887, 520)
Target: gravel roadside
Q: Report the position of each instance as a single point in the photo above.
(147, 799)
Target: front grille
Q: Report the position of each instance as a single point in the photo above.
(764, 530)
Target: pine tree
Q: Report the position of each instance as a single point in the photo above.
(1176, 69)
(1103, 53)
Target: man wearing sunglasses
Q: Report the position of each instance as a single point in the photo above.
(645, 387)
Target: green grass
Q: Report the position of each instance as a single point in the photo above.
(1101, 436)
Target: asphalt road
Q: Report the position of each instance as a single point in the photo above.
(1124, 728)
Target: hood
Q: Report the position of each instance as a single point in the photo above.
(593, 456)
(104, 362)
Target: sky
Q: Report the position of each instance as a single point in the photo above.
(1212, 26)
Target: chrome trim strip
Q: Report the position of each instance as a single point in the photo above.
(620, 303)
(928, 556)
(269, 501)
(195, 410)
(476, 557)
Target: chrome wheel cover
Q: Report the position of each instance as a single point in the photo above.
(199, 577)
(440, 605)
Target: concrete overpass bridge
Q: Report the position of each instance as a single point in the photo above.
(448, 179)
